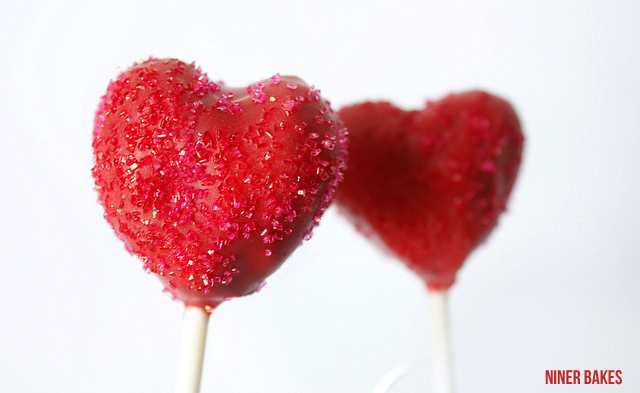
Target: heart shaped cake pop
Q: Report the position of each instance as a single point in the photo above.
(213, 187)
(429, 185)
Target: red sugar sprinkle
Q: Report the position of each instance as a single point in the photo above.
(274, 80)
(213, 187)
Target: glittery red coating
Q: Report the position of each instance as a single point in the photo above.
(429, 185)
(213, 187)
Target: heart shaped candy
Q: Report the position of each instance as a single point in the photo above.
(429, 185)
(213, 187)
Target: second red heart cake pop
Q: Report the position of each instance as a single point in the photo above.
(429, 185)
(213, 187)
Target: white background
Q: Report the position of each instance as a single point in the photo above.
(555, 287)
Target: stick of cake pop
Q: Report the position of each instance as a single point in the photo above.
(429, 186)
(192, 346)
(440, 341)
(212, 187)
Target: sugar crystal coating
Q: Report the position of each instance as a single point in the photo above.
(213, 187)
(429, 185)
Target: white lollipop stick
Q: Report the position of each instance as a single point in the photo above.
(440, 341)
(192, 344)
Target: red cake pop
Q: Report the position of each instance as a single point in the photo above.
(213, 187)
(429, 186)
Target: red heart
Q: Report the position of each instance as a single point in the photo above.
(429, 185)
(213, 187)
